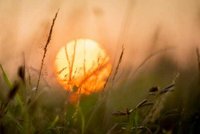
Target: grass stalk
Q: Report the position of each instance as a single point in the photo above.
(118, 64)
(45, 49)
(198, 61)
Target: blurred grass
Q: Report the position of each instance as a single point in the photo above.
(51, 112)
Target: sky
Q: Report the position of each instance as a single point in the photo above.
(142, 26)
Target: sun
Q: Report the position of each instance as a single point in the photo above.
(82, 66)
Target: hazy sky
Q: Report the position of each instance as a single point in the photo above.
(143, 26)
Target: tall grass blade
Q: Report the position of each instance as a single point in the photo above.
(5, 77)
(45, 49)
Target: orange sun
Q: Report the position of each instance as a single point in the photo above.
(82, 66)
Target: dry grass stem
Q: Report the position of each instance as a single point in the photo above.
(118, 64)
(198, 61)
(45, 49)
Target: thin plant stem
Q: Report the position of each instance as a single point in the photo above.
(45, 50)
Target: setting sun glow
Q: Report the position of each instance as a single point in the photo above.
(82, 66)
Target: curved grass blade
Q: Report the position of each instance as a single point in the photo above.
(5, 77)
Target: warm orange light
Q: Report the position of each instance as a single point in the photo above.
(82, 66)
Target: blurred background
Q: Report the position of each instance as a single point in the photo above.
(160, 40)
(143, 27)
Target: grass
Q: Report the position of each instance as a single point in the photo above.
(135, 109)
(138, 106)
(45, 50)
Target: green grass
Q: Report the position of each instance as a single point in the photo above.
(123, 109)
(154, 101)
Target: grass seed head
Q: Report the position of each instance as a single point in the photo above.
(21, 73)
